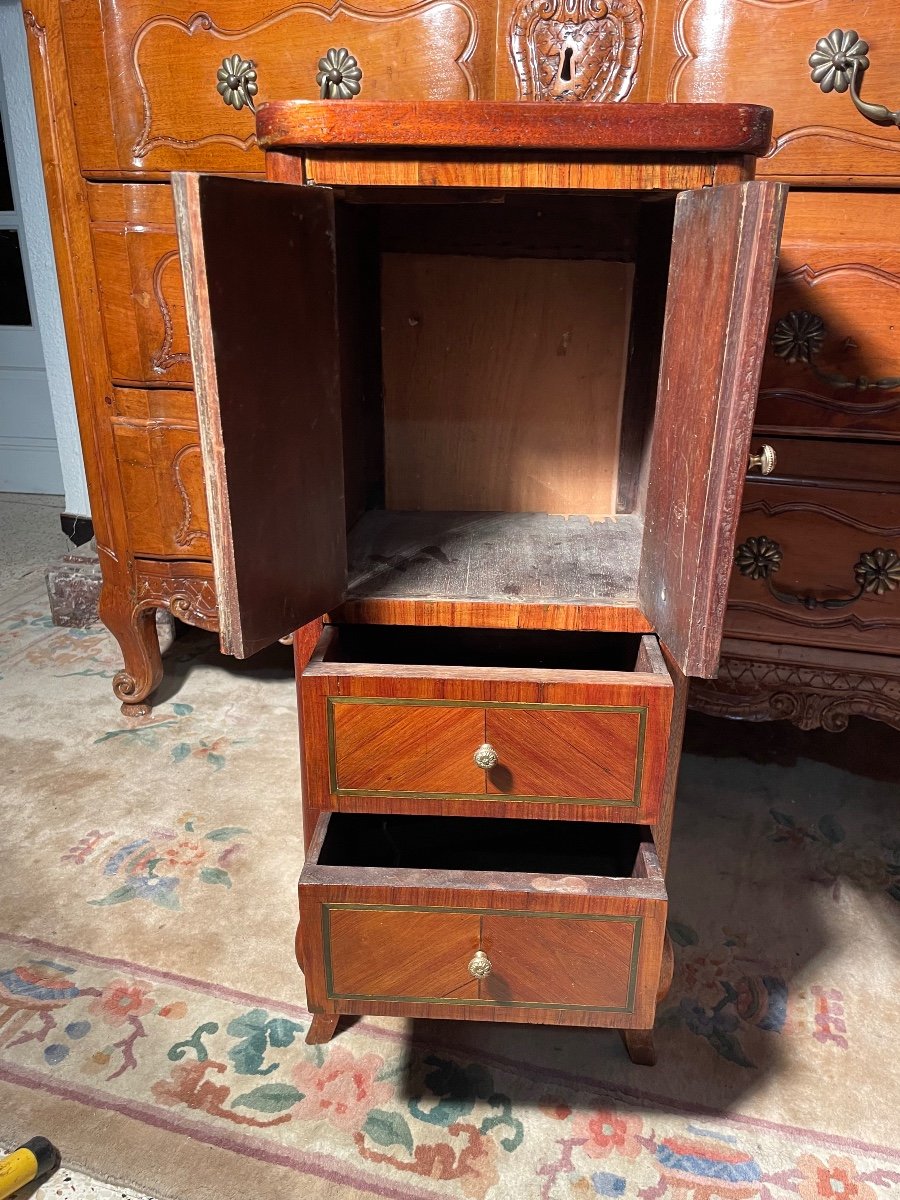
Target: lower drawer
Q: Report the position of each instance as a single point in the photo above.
(482, 919)
(524, 723)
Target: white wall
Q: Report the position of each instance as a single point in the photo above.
(22, 145)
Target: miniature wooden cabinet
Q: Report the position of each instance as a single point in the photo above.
(477, 381)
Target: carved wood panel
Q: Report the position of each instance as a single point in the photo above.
(758, 50)
(141, 287)
(575, 49)
(833, 360)
(811, 690)
(817, 561)
(163, 110)
(161, 472)
(185, 589)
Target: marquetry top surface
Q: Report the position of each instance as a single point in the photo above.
(691, 129)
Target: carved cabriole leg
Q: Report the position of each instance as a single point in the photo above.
(639, 1042)
(185, 590)
(135, 631)
(321, 1029)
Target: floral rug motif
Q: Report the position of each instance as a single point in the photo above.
(149, 996)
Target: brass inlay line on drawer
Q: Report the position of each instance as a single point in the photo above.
(637, 923)
(487, 797)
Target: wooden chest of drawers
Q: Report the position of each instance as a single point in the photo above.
(125, 94)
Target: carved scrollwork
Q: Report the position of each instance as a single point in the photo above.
(810, 697)
(189, 597)
(576, 49)
(164, 358)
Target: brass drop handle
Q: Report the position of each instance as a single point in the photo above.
(764, 462)
(877, 572)
(486, 757)
(838, 63)
(236, 82)
(480, 966)
(339, 75)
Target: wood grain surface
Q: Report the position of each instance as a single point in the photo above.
(269, 399)
(715, 129)
(721, 275)
(840, 263)
(503, 382)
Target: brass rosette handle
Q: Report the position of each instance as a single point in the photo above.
(838, 64)
(876, 572)
(236, 82)
(339, 75)
(799, 337)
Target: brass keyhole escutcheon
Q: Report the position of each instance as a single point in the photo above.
(764, 462)
(486, 757)
(480, 966)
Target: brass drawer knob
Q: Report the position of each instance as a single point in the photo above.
(764, 462)
(480, 966)
(486, 757)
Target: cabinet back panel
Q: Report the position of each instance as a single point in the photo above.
(503, 382)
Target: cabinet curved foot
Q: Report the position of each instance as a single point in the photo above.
(321, 1029)
(640, 1046)
(135, 631)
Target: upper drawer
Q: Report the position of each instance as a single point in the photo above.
(493, 722)
(832, 364)
(140, 282)
(144, 80)
(758, 51)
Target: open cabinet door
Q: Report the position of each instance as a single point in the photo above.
(260, 284)
(721, 276)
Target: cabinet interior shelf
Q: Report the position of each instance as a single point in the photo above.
(495, 556)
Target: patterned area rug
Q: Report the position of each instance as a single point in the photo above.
(152, 1014)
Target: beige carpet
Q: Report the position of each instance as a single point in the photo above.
(152, 1014)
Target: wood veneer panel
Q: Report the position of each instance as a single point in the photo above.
(708, 129)
(560, 961)
(410, 748)
(503, 382)
(519, 169)
(269, 399)
(565, 753)
(397, 954)
(722, 271)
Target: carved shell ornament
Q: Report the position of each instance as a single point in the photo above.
(576, 49)
(237, 83)
(339, 75)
